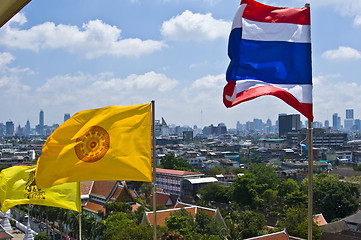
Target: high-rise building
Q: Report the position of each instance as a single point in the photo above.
(327, 123)
(349, 121)
(66, 116)
(40, 126)
(9, 128)
(336, 121)
(27, 129)
(41, 118)
(349, 113)
(288, 123)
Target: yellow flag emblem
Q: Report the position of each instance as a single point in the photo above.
(110, 143)
(17, 186)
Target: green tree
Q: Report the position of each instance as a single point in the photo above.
(301, 231)
(218, 169)
(119, 227)
(214, 192)
(41, 236)
(244, 224)
(243, 191)
(292, 218)
(182, 222)
(112, 207)
(332, 197)
(264, 176)
(170, 161)
(146, 188)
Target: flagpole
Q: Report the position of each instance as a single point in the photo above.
(154, 173)
(79, 216)
(310, 170)
(310, 179)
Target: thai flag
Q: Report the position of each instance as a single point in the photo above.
(270, 52)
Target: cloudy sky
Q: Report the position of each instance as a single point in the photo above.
(71, 55)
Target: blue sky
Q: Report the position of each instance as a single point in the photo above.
(71, 55)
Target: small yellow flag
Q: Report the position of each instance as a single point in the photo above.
(17, 186)
(110, 143)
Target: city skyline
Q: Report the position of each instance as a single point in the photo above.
(349, 114)
(62, 57)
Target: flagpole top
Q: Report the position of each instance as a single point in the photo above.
(307, 5)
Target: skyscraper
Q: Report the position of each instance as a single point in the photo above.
(9, 128)
(349, 121)
(349, 113)
(40, 127)
(336, 121)
(288, 123)
(66, 116)
(27, 129)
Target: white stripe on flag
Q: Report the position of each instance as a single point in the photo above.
(287, 32)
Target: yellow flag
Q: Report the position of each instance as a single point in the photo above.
(17, 186)
(110, 143)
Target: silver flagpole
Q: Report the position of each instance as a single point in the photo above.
(79, 226)
(310, 180)
(154, 173)
(310, 171)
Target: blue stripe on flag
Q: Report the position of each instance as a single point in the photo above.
(273, 62)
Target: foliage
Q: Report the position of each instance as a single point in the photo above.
(112, 207)
(292, 218)
(170, 161)
(332, 197)
(119, 227)
(243, 191)
(41, 236)
(146, 188)
(218, 169)
(357, 168)
(301, 230)
(214, 192)
(202, 227)
(182, 222)
(264, 176)
(244, 224)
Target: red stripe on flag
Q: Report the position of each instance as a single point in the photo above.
(259, 12)
(252, 93)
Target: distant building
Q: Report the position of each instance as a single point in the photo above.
(161, 128)
(288, 123)
(66, 116)
(27, 129)
(349, 121)
(336, 121)
(9, 128)
(320, 138)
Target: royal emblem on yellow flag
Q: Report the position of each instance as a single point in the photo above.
(110, 143)
(17, 186)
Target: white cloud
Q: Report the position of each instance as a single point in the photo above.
(5, 59)
(357, 20)
(345, 7)
(10, 84)
(93, 39)
(332, 94)
(342, 53)
(195, 26)
(104, 88)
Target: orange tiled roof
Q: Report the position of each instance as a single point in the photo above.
(273, 236)
(85, 187)
(102, 188)
(175, 172)
(162, 198)
(163, 215)
(94, 207)
(319, 219)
